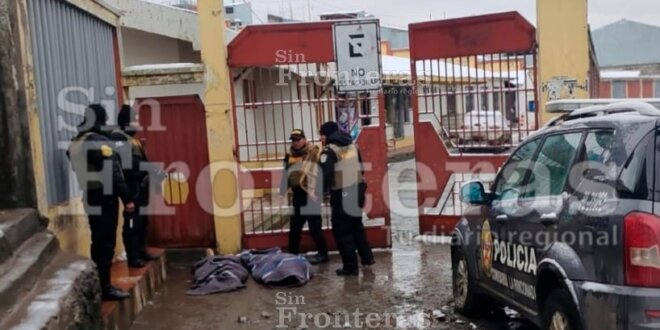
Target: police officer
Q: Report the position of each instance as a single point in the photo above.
(343, 179)
(300, 171)
(138, 172)
(100, 177)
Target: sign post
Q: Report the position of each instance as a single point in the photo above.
(357, 52)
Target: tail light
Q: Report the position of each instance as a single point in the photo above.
(642, 249)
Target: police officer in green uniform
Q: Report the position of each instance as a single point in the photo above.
(138, 172)
(300, 162)
(341, 166)
(101, 179)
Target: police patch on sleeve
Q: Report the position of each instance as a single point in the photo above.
(106, 151)
(324, 157)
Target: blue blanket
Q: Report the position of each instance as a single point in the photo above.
(217, 274)
(275, 268)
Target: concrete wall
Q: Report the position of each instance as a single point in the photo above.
(141, 48)
(155, 18)
(16, 170)
(240, 11)
(563, 38)
(136, 92)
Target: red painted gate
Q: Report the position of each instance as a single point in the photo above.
(286, 84)
(474, 96)
(174, 134)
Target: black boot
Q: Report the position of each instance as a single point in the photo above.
(347, 272)
(146, 256)
(318, 259)
(136, 263)
(112, 293)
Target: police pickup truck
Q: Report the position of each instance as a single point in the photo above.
(568, 234)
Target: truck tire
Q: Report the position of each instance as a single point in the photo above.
(466, 301)
(559, 312)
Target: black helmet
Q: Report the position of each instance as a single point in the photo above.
(95, 118)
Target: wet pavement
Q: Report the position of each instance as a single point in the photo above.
(409, 287)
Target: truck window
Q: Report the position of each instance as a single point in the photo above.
(552, 165)
(633, 182)
(511, 177)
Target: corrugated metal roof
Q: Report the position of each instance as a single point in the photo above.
(627, 43)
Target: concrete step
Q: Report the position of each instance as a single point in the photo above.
(143, 285)
(19, 273)
(16, 226)
(67, 296)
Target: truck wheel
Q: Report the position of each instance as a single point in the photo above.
(465, 299)
(559, 312)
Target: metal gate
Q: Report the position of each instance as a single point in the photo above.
(474, 99)
(289, 83)
(174, 134)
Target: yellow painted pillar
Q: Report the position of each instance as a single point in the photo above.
(219, 123)
(563, 61)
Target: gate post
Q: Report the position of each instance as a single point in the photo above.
(220, 129)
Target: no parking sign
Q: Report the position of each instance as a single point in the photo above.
(357, 52)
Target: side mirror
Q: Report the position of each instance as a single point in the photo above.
(473, 192)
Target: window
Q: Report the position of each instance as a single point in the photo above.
(656, 88)
(552, 165)
(229, 10)
(405, 96)
(390, 103)
(469, 103)
(496, 101)
(484, 101)
(598, 146)
(594, 172)
(451, 103)
(510, 180)
(633, 182)
(619, 89)
(250, 93)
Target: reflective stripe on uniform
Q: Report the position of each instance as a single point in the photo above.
(348, 171)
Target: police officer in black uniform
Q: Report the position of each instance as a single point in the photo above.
(138, 172)
(100, 177)
(343, 179)
(306, 204)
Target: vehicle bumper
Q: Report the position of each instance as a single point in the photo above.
(485, 135)
(606, 306)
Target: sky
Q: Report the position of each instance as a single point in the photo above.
(401, 12)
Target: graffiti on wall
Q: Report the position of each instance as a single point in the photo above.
(562, 88)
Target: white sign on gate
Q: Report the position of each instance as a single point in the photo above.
(357, 52)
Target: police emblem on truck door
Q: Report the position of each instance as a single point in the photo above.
(486, 249)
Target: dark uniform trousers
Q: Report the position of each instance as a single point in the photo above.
(348, 229)
(306, 210)
(135, 224)
(134, 231)
(102, 211)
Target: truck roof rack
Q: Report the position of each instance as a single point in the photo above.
(569, 105)
(639, 107)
